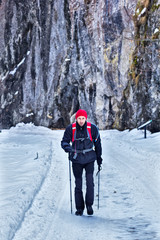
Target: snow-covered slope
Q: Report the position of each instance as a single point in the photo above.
(34, 187)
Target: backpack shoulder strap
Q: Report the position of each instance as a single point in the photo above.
(73, 131)
(89, 130)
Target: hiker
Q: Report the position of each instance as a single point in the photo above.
(84, 136)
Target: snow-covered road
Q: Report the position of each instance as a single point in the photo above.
(34, 187)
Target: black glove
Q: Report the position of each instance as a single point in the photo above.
(99, 168)
(68, 149)
(99, 161)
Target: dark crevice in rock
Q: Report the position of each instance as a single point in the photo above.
(68, 20)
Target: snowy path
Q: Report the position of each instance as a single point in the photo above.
(129, 194)
(47, 203)
(133, 190)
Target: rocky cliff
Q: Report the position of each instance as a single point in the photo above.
(100, 55)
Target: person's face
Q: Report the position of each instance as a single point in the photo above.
(81, 120)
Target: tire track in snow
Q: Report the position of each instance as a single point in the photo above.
(135, 170)
(36, 192)
(131, 192)
(39, 217)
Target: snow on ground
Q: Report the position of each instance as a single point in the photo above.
(34, 187)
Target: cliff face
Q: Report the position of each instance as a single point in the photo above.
(141, 97)
(58, 56)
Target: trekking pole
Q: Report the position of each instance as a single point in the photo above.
(98, 173)
(70, 184)
(98, 187)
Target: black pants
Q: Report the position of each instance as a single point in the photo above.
(78, 171)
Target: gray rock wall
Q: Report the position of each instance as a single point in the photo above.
(59, 56)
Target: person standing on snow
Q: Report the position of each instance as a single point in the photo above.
(83, 136)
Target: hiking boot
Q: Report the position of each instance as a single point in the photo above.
(89, 210)
(79, 212)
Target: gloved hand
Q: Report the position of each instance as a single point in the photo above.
(99, 161)
(99, 167)
(68, 149)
